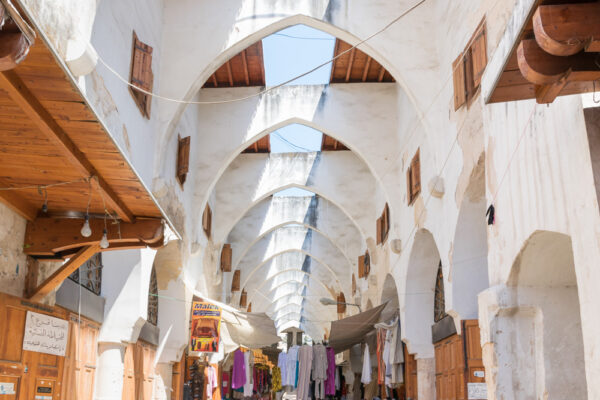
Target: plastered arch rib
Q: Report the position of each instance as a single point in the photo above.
(309, 254)
(331, 175)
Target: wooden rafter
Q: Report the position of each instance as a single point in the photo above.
(15, 203)
(214, 79)
(57, 237)
(350, 63)
(366, 70)
(246, 71)
(229, 73)
(381, 73)
(62, 273)
(35, 111)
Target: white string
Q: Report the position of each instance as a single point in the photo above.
(269, 89)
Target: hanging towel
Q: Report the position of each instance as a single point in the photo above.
(366, 368)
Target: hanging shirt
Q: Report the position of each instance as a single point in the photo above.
(305, 361)
(319, 363)
(249, 365)
(276, 380)
(366, 368)
(291, 362)
(330, 381)
(212, 382)
(282, 364)
(239, 370)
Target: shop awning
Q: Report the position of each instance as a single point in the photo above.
(347, 332)
(252, 330)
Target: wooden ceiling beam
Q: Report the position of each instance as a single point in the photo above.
(50, 237)
(381, 73)
(566, 29)
(229, 73)
(35, 111)
(52, 282)
(13, 49)
(261, 62)
(366, 70)
(214, 79)
(246, 71)
(16, 203)
(334, 64)
(350, 64)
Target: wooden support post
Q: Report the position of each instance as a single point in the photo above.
(63, 272)
(31, 279)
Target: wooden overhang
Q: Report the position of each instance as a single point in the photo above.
(262, 145)
(56, 158)
(356, 66)
(242, 70)
(554, 51)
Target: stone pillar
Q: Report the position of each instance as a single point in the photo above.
(426, 378)
(163, 385)
(109, 372)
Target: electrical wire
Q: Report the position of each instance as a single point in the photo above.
(45, 186)
(299, 37)
(280, 137)
(266, 90)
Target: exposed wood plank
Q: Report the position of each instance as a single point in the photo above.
(261, 62)
(63, 272)
(335, 54)
(214, 79)
(49, 236)
(31, 106)
(366, 70)
(246, 71)
(566, 29)
(229, 73)
(350, 63)
(13, 47)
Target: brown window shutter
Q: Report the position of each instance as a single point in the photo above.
(226, 257)
(341, 307)
(235, 282)
(249, 309)
(458, 73)
(409, 196)
(361, 267)
(385, 222)
(243, 298)
(367, 263)
(478, 55)
(415, 169)
(207, 220)
(183, 159)
(141, 75)
(354, 285)
(378, 229)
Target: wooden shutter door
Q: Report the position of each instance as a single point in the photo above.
(178, 375)
(235, 282)
(475, 372)
(148, 353)
(129, 373)
(361, 266)
(226, 258)
(458, 75)
(478, 55)
(79, 371)
(415, 169)
(341, 307)
(183, 158)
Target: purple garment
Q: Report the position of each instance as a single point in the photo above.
(330, 381)
(239, 370)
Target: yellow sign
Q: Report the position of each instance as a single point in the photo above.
(206, 327)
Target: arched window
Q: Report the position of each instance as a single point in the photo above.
(439, 303)
(153, 299)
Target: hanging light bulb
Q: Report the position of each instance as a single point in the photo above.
(86, 231)
(42, 191)
(104, 241)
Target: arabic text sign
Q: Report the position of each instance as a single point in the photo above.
(477, 391)
(45, 334)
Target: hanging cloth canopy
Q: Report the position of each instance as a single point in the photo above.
(347, 332)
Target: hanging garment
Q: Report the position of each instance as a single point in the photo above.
(371, 388)
(319, 370)
(356, 388)
(276, 379)
(337, 379)
(282, 364)
(397, 355)
(290, 362)
(366, 368)
(249, 365)
(239, 370)
(225, 384)
(212, 382)
(386, 358)
(305, 358)
(381, 334)
(330, 381)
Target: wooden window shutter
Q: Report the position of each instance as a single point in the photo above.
(183, 159)
(379, 230)
(249, 309)
(207, 221)
(243, 298)
(478, 57)
(354, 285)
(226, 257)
(367, 263)
(235, 282)
(458, 74)
(385, 218)
(415, 178)
(361, 266)
(141, 75)
(409, 196)
(341, 307)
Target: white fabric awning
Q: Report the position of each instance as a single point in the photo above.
(252, 330)
(347, 332)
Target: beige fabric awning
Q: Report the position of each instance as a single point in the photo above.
(252, 330)
(347, 332)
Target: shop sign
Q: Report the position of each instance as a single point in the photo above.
(7, 388)
(45, 334)
(477, 391)
(205, 327)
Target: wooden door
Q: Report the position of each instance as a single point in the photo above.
(129, 373)
(80, 361)
(138, 371)
(178, 374)
(410, 375)
(449, 369)
(475, 372)
(26, 375)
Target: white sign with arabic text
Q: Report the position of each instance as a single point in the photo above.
(45, 334)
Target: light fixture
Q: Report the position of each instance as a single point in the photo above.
(104, 241)
(43, 192)
(86, 231)
(326, 301)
